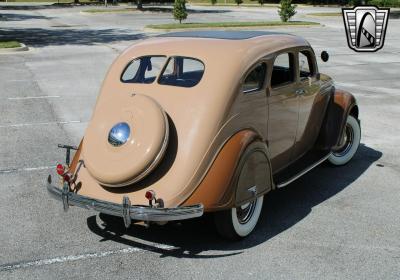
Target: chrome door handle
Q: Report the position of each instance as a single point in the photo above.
(300, 92)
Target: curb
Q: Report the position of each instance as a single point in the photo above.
(22, 48)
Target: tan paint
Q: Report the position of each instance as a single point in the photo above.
(205, 117)
(148, 132)
(213, 189)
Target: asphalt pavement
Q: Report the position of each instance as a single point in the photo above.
(333, 223)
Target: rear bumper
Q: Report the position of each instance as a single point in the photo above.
(125, 210)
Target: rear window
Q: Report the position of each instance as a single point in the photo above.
(143, 70)
(182, 72)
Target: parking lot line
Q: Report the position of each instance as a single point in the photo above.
(12, 170)
(38, 123)
(71, 258)
(33, 97)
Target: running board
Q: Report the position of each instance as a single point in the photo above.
(298, 175)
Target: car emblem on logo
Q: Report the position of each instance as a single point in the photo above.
(365, 27)
(119, 134)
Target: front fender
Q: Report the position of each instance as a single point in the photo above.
(339, 108)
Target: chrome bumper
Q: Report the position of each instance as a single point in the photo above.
(125, 210)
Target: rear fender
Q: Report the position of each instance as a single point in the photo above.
(218, 190)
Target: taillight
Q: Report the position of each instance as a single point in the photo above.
(67, 177)
(60, 169)
(150, 195)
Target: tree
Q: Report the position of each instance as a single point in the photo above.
(139, 4)
(238, 2)
(213, 2)
(286, 10)
(179, 11)
(261, 2)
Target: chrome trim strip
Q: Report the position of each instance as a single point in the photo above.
(125, 210)
(297, 176)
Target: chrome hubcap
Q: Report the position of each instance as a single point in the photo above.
(245, 211)
(119, 134)
(346, 143)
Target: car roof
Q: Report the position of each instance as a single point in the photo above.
(220, 34)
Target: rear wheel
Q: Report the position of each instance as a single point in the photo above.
(349, 144)
(239, 222)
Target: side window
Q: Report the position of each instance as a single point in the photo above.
(255, 79)
(283, 71)
(182, 72)
(143, 70)
(306, 64)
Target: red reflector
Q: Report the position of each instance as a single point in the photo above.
(67, 177)
(150, 195)
(60, 169)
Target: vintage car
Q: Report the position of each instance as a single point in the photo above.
(207, 121)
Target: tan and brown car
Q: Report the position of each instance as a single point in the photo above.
(207, 121)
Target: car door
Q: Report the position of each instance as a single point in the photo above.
(308, 88)
(283, 110)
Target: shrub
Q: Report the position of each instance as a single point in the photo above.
(179, 11)
(238, 2)
(213, 2)
(261, 2)
(385, 3)
(286, 10)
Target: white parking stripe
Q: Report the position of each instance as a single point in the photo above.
(39, 123)
(33, 97)
(71, 258)
(11, 170)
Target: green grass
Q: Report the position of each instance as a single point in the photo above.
(331, 14)
(9, 44)
(107, 10)
(228, 24)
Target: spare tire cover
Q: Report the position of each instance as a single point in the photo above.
(125, 140)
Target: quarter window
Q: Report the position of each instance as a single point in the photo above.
(306, 64)
(182, 72)
(283, 71)
(143, 70)
(255, 79)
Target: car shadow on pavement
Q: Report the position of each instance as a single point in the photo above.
(283, 208)
(40, 37)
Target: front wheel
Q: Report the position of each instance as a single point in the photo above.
(349, 143)
(238, 222)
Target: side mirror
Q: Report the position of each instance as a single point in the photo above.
(324, 56)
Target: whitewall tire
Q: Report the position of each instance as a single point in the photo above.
(237, 223)
(349, 144)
